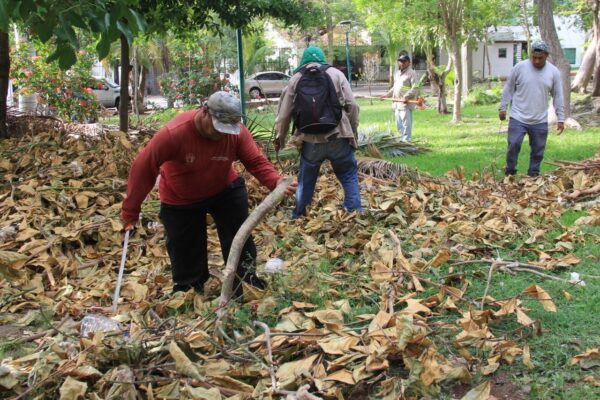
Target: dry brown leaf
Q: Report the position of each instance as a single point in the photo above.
(527, 357)
(343, 376)
(202, 393)
(587, 360)
(414, 306)
(182, 362)
(523, 318)
(338, 345)
(334, 317)
(441, 257)
(72, 389)
(543, 297)
(481, 392)
(290, 370)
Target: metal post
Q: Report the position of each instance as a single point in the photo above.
(348, 59)
(240, 54)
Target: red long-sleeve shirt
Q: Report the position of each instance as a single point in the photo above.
(192, 168)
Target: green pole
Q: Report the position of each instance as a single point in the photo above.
(240, 54)
(348, 60)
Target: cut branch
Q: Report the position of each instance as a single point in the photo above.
(239, 240)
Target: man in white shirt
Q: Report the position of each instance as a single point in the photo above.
(405, 80)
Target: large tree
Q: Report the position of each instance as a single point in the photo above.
(4, 73)
(557, 57)
(596, 13)
(452, 22)
(584, 73)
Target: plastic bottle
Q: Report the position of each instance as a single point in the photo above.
(274, 265)
(98, 323)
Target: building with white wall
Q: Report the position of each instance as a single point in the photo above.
(508, 44)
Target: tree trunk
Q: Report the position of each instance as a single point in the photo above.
(330, 26)
(557, 57)
(596, 84)
(584, 74)
(525, 23)
(452, 12)
(142, 88)
(456, 110)
(4, 74)
(125, 68)
(467, 73)
(442, 105)
(166, 63)
(487, 56)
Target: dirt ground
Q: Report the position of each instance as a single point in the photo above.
(502, 389)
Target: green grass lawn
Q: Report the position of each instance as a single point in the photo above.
(475, 143)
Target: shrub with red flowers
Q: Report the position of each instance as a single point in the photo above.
(190, 86)
(68, 94)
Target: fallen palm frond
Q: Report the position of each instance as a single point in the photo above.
(383, 169)
(386, 144)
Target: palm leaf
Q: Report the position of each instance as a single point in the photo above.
(386, 144)
(383, 169)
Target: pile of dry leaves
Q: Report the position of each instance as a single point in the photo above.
(354, 313)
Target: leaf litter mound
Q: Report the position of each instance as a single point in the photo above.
(371, 305)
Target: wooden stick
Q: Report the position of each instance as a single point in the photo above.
(487, 286)
(419, 102)
(42, 334)
(239, 240)
(265, 327)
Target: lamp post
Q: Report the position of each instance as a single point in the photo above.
(347, 24)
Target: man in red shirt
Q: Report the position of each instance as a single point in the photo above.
(194, 155)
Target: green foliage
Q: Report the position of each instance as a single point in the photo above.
(482, 96)
(55, 22)
(183, 16)
(68, 94)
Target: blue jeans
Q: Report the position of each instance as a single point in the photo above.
(341, 155)
(537, 133)
(404, 123)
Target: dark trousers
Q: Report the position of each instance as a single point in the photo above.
(185, 227)
(537, 133)
(341, 155)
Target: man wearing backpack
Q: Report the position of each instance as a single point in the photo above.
(319, 100)
(403, 90)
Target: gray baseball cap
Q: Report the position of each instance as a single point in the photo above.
(539, 46)
(226, 112)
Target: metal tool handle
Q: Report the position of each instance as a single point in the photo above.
(121, 269)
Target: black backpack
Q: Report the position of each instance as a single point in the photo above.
(317, 109)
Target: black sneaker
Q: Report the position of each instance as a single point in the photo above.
(254, 280)
(184, 287)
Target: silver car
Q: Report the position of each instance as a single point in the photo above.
(107, 92)
(266, 83)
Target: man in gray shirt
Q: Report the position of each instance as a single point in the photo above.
(527, 90)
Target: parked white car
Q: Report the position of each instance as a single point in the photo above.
(107, 92)
(266, 83)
